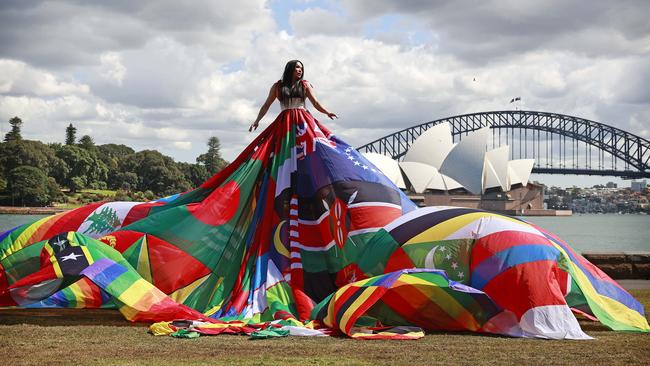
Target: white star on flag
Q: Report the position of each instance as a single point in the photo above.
(71, 256)
(454, 265)
(442, 249)
(461, 274)
(448, 256)
(357, 163)
(365, 167)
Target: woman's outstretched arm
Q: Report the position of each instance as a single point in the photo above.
(273, 93)
(312, 98)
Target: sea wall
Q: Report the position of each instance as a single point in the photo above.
(12, 210)
(622, 265)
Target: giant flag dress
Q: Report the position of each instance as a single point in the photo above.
(302, 232)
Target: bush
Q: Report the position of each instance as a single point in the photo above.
(130, 196)
(138, 196)
(122, 195)
(77, 183)
(54, 191)
(89, 197)
(98, 185)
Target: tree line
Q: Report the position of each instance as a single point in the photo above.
(33, 173)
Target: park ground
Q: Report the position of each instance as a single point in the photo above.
(87, 337)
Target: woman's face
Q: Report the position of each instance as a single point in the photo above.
(297, 71)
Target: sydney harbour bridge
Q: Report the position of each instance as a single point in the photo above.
(560, 144)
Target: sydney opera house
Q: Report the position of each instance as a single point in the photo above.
(437, 171)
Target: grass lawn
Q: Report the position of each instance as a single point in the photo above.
(102, 192)
(69, 336)
(67, 205)
(84, 197)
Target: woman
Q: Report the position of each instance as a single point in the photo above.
(291, 92)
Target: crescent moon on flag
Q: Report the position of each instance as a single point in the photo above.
(428, 260)
(277, 242)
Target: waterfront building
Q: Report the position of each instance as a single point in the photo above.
(436, 171)
(638, 186)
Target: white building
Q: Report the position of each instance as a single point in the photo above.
(434, 162)
(638, 186)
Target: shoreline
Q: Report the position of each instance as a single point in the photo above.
(13, 210)
(16, 210)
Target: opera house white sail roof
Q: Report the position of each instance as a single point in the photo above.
(495, 169)
(434, 162)
(432, 147)
(388, 166)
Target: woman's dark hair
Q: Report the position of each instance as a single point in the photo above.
(286, 89)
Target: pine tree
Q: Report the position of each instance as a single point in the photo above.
(14, 134)
(212, 159)
(70, 135)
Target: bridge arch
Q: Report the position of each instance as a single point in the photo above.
(594, 148)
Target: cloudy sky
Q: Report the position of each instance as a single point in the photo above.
(169, 74)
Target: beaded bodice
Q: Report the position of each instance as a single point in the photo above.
(292, 103)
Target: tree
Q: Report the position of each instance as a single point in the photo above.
(112, 155)
(14, 134)
(54, 191)
(114, 151)
(194, 173)
(29, 186)
(212, 159)
(86, 142)
(125, 181)
(85, 168)
(16, 153)
(156, 172)
(70, 135)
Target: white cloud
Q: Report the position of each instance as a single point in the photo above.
(170, 133)
(321, 21)
(112, 68)
(494, 29)
(183, 145)
(18, 78)
(168, 76)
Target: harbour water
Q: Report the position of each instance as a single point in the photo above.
(599, 232)
(585, 233)
(10, 221)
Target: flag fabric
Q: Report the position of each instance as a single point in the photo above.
(500, 255)
(413, 297)
(301, 233)
(77, 270)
